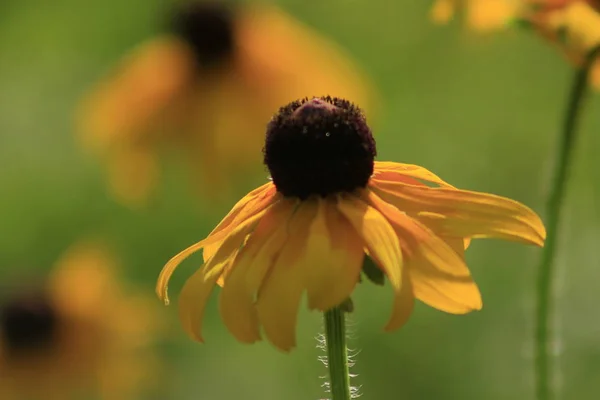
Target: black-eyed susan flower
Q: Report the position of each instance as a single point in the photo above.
(328, 205)
(206, 87)
(77, 334)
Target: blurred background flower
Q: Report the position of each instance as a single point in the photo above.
(573, 27)
(208, 85)
(79, 332)
(480, 15)
(479, 109)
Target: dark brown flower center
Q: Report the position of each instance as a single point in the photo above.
(208, 28)
(319, 147)
(27, 322)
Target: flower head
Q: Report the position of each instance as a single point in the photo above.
(329, 204)
(76, 332)
(207, 86)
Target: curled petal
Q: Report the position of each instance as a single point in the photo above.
(404, 301)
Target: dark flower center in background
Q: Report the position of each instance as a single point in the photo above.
(319, 147)
(208, 28)
(27, 323)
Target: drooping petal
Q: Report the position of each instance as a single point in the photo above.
(236, 303)
(253, 202)
(231, 242)
(377, 234)
(404, 301)
(332, 258)
(194, 296)
(466, 213)
(438, 273)
(407, 173)
(194, 293)
(280, 294)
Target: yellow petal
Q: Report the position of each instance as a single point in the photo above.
(236, 302)
(403, 304)
(414, 237)
(435, 223)
(231, 241)
(279, 296)
(194, 296)
(408, 173)
(466, 213)
(438, 273)
(332, 257)
(378, 236)
(195, 293)
(253, 202)
(443, 291)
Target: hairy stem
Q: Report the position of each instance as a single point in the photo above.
(544, 311)
(337, 353)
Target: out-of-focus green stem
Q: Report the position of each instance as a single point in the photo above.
(337, 354)
(544, 309)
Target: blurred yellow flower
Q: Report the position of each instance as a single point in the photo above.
(207, 88)
(481, 15)
(329, 204)
(573, 26)
(80, 333)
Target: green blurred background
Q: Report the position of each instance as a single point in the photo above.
(483, 112)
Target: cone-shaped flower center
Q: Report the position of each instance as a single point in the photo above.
(27, 323)
(208, 28)
(319, 147)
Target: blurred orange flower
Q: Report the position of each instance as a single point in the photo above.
(80, 333)
(329, 204)
(208, 87)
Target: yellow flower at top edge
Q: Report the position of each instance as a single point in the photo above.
(572, 26)
(78, 333)
(207, 87)
(329, 204)
(480, 15)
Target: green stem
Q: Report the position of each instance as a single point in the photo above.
(337, 353)
(544, 310)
